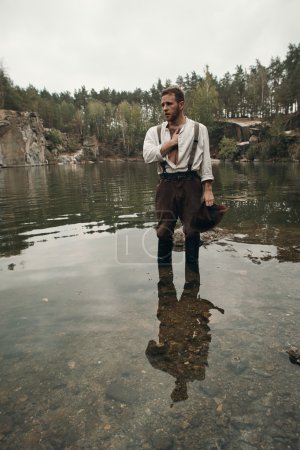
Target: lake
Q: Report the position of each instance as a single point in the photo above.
(97, 352)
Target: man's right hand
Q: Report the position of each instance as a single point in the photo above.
(171, 147)
(174, 137)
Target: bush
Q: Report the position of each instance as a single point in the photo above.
(216, 132)
(294, 151)
(54, 139)
(253, 152)
(273, 148)
(228, 149)
(275, 143)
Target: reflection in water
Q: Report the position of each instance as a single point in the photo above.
(182, 350)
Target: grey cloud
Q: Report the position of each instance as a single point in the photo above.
(62, 45)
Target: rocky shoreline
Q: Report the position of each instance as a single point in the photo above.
(25, 142)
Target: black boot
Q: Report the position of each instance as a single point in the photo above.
(164, 254)
(192, 244)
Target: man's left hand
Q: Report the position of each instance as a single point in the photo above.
(208, 196)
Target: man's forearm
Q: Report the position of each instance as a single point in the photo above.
(207, 186)
(167, 147)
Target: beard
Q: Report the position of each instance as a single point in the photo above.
(174, 115)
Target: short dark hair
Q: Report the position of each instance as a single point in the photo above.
(179, 95)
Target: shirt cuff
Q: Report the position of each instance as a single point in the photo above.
(207, 178)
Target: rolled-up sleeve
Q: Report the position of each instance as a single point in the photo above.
(205, 168)
(151, 148)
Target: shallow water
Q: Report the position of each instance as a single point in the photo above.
(85, 363)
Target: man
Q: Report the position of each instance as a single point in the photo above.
(184, 184)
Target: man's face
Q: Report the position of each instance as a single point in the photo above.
(170, 107)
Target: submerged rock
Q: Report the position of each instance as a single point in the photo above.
(237, 365)
(294, 354)
(122, 392)
(162, 441)
(206, 237)
(178, 239)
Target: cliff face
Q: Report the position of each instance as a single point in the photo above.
(22, 141)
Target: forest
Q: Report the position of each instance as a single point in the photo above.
(119, 120)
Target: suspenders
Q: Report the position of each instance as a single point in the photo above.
(196, 138)
(192, 155)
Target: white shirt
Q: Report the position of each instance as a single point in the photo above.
(202, 161)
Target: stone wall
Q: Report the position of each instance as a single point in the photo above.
(22, 141)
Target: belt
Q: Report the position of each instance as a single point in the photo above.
(179, 175)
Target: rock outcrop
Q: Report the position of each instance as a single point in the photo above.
(242, 129)
(64, 148)
(22, 141)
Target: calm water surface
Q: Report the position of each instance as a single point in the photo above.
(96, 353)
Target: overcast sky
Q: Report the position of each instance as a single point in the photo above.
(126, 44)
